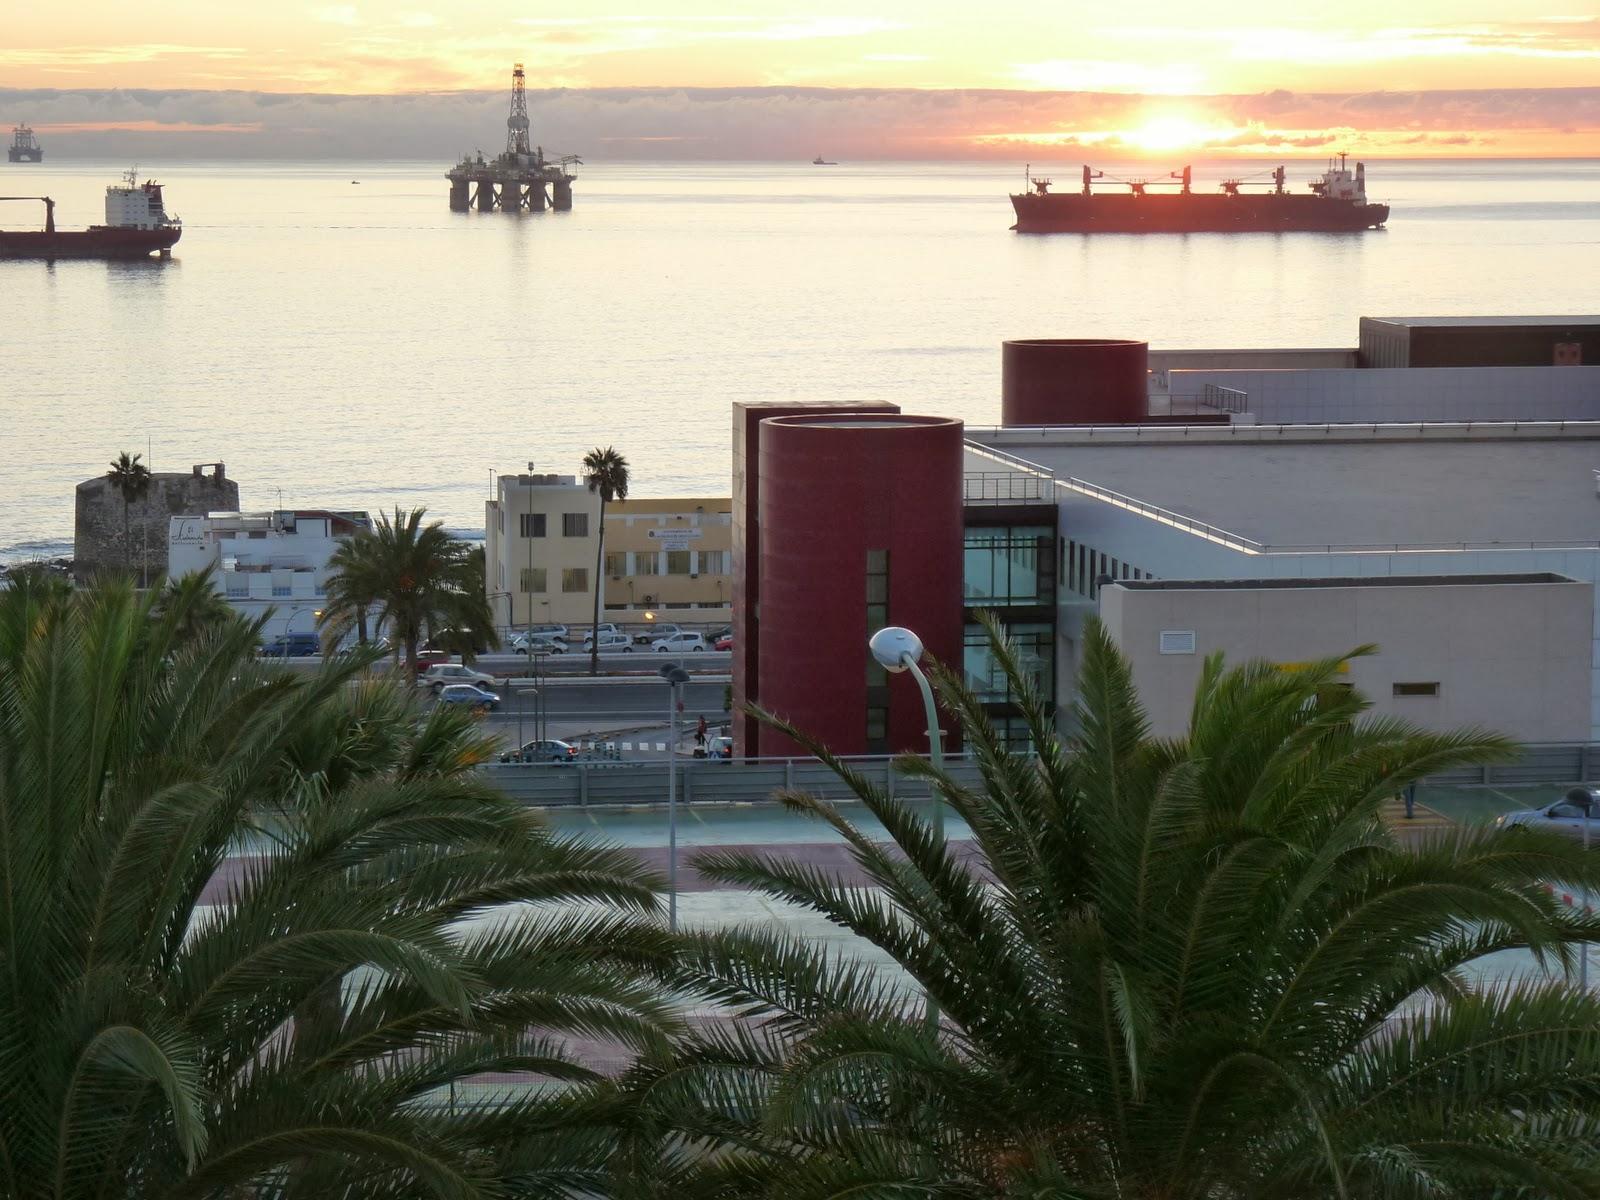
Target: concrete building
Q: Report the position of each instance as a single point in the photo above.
(1288, 502)
(665, 559)
(1453, 651)
(266, 561)
(98, 543)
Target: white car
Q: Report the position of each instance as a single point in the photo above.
(678, 643)
(539, 643)
(652, 633)
(440, 675)
(610, 643)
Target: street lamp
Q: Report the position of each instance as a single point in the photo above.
(897, 649)
(676, 677)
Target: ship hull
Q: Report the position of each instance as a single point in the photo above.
(16, 155)
(99, 241)
(1221, 213)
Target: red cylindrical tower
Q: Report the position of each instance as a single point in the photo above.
(860, 528)
(1074, 381)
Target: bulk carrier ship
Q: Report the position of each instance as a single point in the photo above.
(1336, 203)
(137, 225)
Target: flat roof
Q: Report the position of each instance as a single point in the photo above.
(1341, 581)
(1310, 487)
(1487, 322)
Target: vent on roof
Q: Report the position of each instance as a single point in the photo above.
(1177, 641)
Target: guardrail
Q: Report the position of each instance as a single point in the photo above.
(700, 780)
(1538, 762)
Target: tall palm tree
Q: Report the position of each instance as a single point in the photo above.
(196, 605)
(130, 479)
(417, 577)
(1198, 969)
(606, 473)
(253, 929)
(352, 591)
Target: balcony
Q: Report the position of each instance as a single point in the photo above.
(1006, 487)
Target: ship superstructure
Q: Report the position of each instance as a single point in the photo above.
(1336, 202)
(521, 178)
(137, 225)
(24, 146)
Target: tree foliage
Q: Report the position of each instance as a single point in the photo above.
(130, 479)
(415, 578)
(255, 924)
(1199, 967)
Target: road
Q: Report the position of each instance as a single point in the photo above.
(582, 706)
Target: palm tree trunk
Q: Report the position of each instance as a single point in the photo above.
(127, 539)
(599, 565)
(413, 636)
(361, 624)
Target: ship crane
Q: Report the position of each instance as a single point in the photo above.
(49, 209)
(1232, 186)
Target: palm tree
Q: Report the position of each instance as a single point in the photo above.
(130, 479)
(606, 472)
(1198, 969)
(253, 929)
(197, 607)
(417, 577)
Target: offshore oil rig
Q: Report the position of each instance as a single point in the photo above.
(519, 180)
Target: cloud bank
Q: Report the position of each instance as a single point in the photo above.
(785, 123)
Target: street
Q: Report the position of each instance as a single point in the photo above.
(604, 706)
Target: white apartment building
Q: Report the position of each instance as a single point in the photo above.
(265, 561)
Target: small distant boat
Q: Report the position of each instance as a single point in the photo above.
(355, 181)
(819, 161)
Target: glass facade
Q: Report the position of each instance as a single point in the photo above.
(877, 677)
(1034, 643)
(1010, 566)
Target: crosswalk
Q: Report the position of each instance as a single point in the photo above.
(659, 747)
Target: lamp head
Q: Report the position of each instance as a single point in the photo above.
(891, 646)
(673, 674)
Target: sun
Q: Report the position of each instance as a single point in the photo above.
(1173, 132)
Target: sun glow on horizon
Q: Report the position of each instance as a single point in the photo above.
(1174, 131)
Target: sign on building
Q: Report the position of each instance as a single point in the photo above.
(675, 539)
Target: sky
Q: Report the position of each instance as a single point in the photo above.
(931, 77)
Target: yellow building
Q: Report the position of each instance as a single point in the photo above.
(665, 559)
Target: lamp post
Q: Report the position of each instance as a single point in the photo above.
(676, 677)
(897, 649)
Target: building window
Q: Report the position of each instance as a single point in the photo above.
(574, 524)
(575, 579)
(238, 591)
(877, 595)
(282, 589)
(677, 562)
(647, 563)
(616, 565)
(715, 562)
(532, 525)
(1034, 646)
(1009, 566)
(1416, 689)
(532, 580)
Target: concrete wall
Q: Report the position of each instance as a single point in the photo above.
(97, 535)
(1509, 657)
(1164, 362)
(1438, 394)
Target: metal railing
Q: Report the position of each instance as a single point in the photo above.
(1004, 487)
(700, 780)
(1536, 763)
(1224, 399)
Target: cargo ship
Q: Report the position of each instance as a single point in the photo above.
(137, 225)
(24, 146)
(1335, 203)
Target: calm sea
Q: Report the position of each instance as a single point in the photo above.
(340, 339)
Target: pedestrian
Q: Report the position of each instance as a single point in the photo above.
(700, 732)
(1409, 795)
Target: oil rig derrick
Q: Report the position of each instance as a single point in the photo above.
(521, 179)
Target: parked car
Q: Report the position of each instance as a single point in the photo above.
(538, 642)
(292, 645)
(720, 747)
(426, 658)
(679, 643)
(610, 643)
(1568, 815)
(716, 635)
(648, 635)
(725, 642)
(441, 674)
(546, 750)
(479, 699)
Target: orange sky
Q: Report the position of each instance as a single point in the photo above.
(1162, 49)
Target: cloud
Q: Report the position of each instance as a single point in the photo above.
(791, 122)
(336, 14)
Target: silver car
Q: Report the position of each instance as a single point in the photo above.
(1577, 814)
